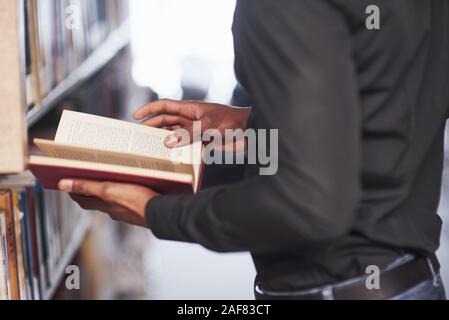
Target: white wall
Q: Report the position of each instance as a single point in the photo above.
(177, 271)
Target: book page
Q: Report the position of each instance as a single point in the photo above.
(85, 130)
(63, 163)
(69, 152)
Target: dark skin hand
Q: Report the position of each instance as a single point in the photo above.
(122, 202)
(126, 202)
(174, 115)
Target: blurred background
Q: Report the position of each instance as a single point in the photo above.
(179, 50)
(184, 50)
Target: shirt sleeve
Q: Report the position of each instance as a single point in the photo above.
(295, 59)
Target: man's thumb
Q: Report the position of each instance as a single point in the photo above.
(180, 138)
(171, 141)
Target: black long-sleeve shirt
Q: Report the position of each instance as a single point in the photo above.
(361, 116)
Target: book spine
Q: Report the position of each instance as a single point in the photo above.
(3, 259)
(27, 248)
(29, 82)
(18, 221)
(5, 204)
(49, 239)
(34, 239)
(34, 50)
(42, 236)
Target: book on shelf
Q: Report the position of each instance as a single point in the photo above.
(9, 249)
(4, 264)
(38, 52)
(92, 147)
(35, 229)
(40, 49)
(60, 36)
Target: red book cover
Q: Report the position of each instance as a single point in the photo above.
(49, 176)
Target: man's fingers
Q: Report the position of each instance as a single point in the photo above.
(82, 187)
(130, 196)
(166, 107)
(116, 212)
(167, 120)
(160, 106)
(89, 203)
(107, 191)
(173, 128)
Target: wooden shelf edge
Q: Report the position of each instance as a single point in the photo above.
(78, 236)
(115, 42)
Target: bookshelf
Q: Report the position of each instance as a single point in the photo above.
(98, 59)
(77, 238)
(45, 230)
(12, 64)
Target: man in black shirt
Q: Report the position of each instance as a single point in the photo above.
(361, 116)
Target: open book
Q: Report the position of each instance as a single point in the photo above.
(96, 148)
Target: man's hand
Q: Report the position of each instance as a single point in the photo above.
(174, 115)
(123, 202)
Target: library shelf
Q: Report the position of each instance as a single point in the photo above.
(77, 238)
(115, 42)
(23, 57)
